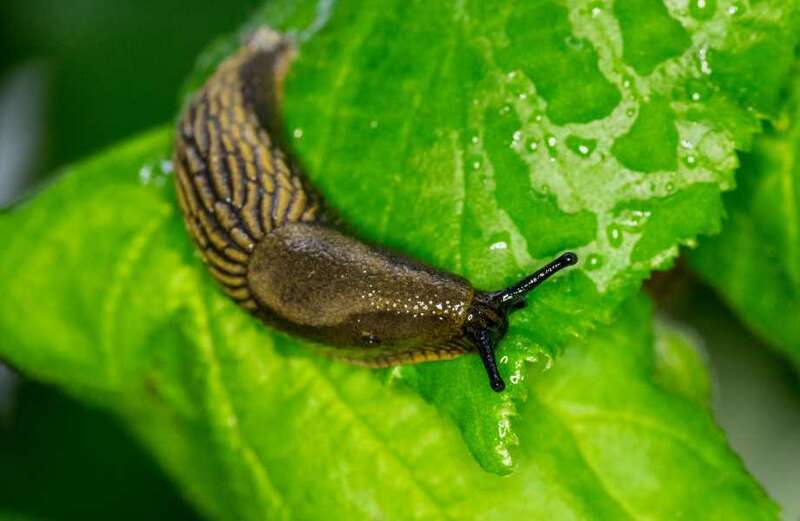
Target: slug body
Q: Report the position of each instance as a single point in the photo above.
(269, 242)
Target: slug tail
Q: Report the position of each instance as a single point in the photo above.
(234, 182)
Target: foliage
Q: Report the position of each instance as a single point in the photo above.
(484, 138)
(61, 460)
(755, 262)
(496, 135)
(220, 401)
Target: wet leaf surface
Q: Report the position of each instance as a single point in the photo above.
(484, 141)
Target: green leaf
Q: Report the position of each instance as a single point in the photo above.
(487, 137)
(680, 364)
(623, 411)
(105, 298)
(482, 137)
(755, 262)
(62, 461)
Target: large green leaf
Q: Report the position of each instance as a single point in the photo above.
(483, 137)
(104, 297)
(62, 461)
(755, 262)
(486, 137)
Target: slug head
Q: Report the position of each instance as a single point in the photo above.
(487, 318)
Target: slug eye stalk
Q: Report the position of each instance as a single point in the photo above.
(513, 295)
(488, 318)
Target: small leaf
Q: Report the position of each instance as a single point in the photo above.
(755, 262)
(680, 364)
(631, 437)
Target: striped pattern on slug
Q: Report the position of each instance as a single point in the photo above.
(235, 184)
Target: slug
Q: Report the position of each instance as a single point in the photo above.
(276, 249)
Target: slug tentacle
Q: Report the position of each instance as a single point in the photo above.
(483, 339)
(274, 249)
(514, 295)
(487, 319)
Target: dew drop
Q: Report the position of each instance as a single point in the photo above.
(583, 147)
(145, 174)
(533, 145)
(697, 90)
(166, 166)
(690, 161)
(702, 55)
(615, 236)
(298, 133)
(635, 219)
(702, 9)
(627, 82)
(552, 141)
(594, 261)
(503, 426)
(735, 9)
(670, 187)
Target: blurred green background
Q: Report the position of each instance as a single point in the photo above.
(102, 71)
(78, 76)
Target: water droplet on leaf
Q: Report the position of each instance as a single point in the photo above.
(702, 9)
(697, 90)
(615, 236)
(594, 261)
(583, 147)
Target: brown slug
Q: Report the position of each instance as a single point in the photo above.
(268, 240)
